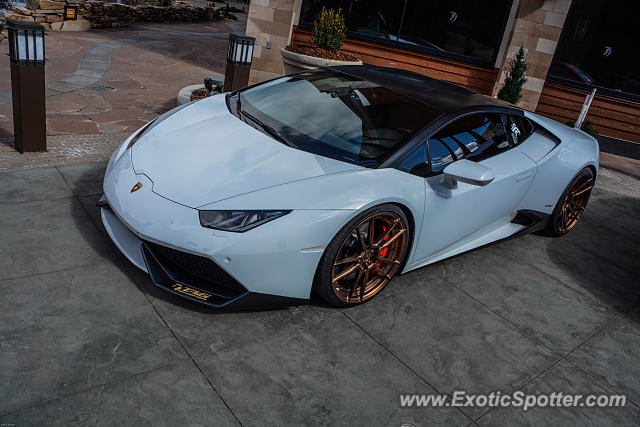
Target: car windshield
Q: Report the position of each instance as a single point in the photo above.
(337, 115)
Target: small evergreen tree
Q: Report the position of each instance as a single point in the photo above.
(330, 30)
(512, 89)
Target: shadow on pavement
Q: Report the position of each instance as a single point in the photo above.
(599, 257)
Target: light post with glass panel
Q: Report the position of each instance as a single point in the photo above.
(26, 53)
(239, 56)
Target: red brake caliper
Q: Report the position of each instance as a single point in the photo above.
(383, 252)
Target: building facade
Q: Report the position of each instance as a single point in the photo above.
(572, 47)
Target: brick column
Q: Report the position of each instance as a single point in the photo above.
(537, 28)
(271, 23)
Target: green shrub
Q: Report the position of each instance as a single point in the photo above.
(512, 89)
(330, 30)
(587, 127)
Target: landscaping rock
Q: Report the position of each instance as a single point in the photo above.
(33, 4)
(12, 16)
(48, 4)
(78, 25)
(53, 18)
(22, 10)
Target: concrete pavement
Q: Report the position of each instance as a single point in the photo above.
(86, 338)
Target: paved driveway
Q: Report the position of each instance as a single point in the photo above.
(108, 81)
(86, 338)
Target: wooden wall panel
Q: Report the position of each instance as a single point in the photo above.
(610, 117)
(473, 77)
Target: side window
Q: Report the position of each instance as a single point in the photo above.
(475, 137)
(519, 128)
(441, 155)
(491, 132)
(416, 162)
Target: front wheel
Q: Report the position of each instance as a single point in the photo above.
(572, 203)
(363, 257)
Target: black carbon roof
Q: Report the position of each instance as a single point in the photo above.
(442, 96)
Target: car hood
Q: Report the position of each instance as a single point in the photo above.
(203, 154)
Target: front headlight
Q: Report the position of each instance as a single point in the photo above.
(238, 221)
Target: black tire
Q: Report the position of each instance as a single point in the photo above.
(322, 283)
(554, 225)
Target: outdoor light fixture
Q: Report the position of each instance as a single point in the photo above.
(26, 52)
(239, 56)
(70, 13)
(26, 42)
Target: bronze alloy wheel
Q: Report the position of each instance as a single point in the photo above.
(369, 257)
(574, 203)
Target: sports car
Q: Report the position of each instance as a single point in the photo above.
(335, 180)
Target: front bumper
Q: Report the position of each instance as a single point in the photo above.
(270, 265)
(190, 276)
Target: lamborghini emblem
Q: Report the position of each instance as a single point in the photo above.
(136, 187)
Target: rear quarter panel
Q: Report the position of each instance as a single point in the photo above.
(575, 151)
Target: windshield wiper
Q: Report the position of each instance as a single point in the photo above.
(268, 129)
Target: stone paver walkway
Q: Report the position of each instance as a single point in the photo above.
(114, 80)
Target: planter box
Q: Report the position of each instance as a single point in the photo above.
(296, 62)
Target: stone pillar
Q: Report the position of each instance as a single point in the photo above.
(271, 23)
(537, 28)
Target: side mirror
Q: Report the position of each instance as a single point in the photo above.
(468, 172)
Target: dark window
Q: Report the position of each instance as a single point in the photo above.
(598, 47)
(470, 28)
(518, 128)
(337, 115)
(475, 137)
(493, 137)
(441, 156)
(466, 27)
(416, 162)
(373, 18)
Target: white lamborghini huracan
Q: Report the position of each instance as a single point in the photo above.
(335, 180)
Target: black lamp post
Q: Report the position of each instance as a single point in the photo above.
(239, 56)
(26, 51)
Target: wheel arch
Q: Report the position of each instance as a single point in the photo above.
(410, 217)
(358, 214)
(412, 228)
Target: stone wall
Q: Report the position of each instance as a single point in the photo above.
(537, 28)
(102, 14)
(43, 12)
(107, 14)
(271, 23)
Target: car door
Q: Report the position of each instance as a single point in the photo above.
(454, 217)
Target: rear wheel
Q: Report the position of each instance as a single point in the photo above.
(572, 203)
(363, 257)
